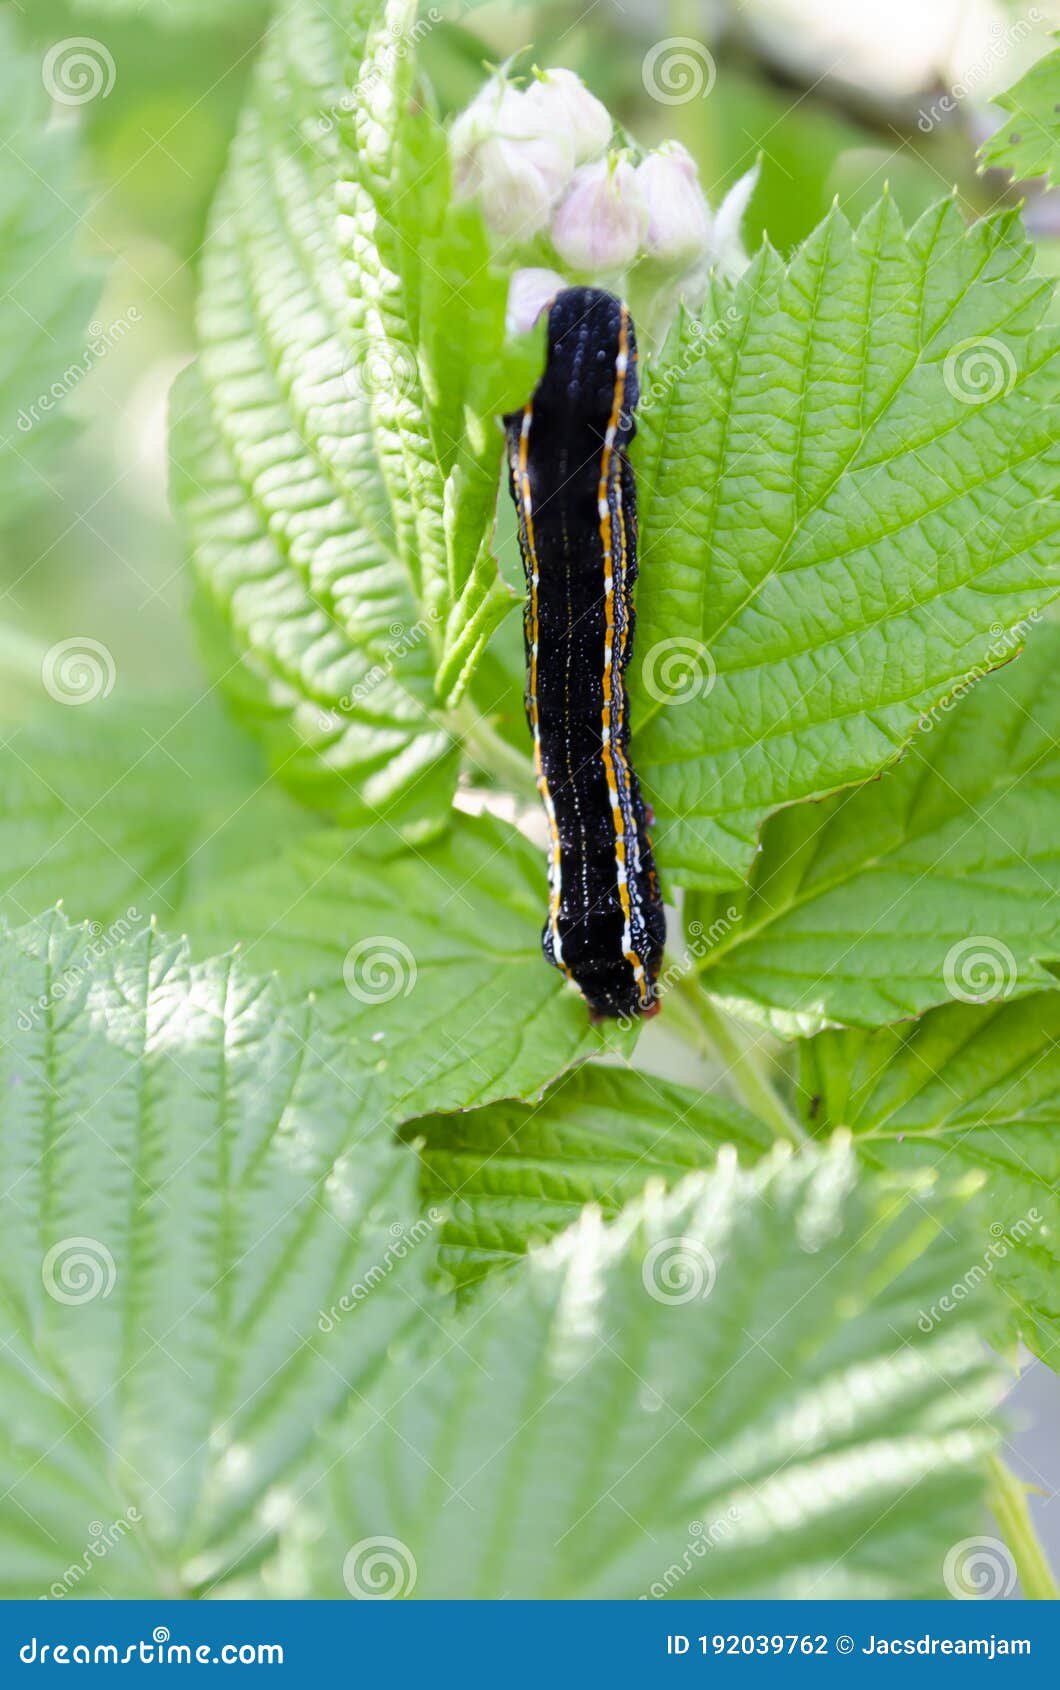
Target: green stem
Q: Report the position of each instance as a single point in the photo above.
(491, 754)
(746, 1072)
(1007, 1499)
(681, 1018)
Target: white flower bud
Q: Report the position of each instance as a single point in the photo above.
(678, 215)
(603, 219)
(528, 294)
(727, 248)
(567, 105)
(723, 254)
(509, 154)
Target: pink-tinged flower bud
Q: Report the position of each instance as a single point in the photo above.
(603, 219)
(511, 156)
(528, 294)
(678, 215)
(567, 104)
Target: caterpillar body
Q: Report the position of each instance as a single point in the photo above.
(575, 494)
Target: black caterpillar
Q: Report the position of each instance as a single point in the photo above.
(576, 496)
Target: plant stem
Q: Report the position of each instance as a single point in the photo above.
(681, 1017)
(492, 754)
(1007, 1499)
(746, 1073)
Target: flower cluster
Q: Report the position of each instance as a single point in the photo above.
(541, 164)
(517, 151)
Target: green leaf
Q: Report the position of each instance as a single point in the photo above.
(191, 1180)
(514, 1175)
(305, 610)
(844, 491)
(725, 1393)
(125, 811)
(431, 311)
(338, 452)
(933, 883)
(179, 14)
(47, 290)
(429, 961)
(967, 1088)
(1028, 142)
